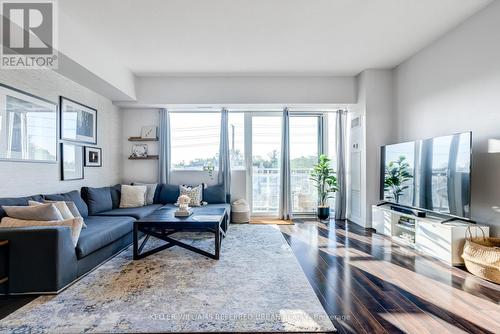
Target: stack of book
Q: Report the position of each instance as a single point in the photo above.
(183, 213)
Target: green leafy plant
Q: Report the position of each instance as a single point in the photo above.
(323, 178)
(209, 168)
(397, 173)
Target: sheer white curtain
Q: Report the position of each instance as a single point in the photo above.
(285, 208)
(340, 196)
(165, 148)
(224, 175)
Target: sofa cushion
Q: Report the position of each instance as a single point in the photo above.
(102, 231)
(98, 199)
(156, 197)
(72, 196)
(17, 201)
(137, 213)
(116, 195)
(168, 194)
(214, 194)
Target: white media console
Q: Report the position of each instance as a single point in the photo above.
(429, 235)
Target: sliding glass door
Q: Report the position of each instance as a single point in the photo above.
(266, 152)
(305, 140)
(308, 139)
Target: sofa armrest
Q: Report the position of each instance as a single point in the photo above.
(41, 258)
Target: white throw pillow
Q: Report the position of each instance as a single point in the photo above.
(132, 196)
(60, 205)
(194, 193)
(75, 224)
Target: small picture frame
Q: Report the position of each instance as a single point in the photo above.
(93, 157)
(139, 151)
(149, 132)
(71, 162)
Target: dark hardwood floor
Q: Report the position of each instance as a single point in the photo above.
(369, 284)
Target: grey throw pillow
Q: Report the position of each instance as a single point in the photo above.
(44, 212)
(72, 207)
(150, 192)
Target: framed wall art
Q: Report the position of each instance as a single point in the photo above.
(93, 157)
(78, 122)
(28, 127)
(139, 151)
(71, 162)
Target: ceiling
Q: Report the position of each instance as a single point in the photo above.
(265, 37)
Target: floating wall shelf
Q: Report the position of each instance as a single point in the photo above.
(149, 157)
(141, 139)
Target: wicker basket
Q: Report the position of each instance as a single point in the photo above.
(482, 256)
(240, 212)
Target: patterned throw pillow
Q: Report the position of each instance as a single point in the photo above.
(194, 193)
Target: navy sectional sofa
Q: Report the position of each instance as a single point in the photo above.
(44, 260)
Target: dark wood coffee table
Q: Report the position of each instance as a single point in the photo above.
(162, 224)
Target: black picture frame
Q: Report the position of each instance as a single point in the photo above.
(63, 119)
(21, 95)
(89, 149)
(78, 159)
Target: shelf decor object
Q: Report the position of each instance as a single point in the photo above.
(71, 162)
(93, 157)
(78, 122)
(140, 151)
(148, 132)
(28, 127)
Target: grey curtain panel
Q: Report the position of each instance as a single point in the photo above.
(165, 148)
(224, 175)
(340, 198)
(285, 208)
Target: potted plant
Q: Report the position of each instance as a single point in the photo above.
(323, 178)
(397, 173)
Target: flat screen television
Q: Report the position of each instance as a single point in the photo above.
(430, 174)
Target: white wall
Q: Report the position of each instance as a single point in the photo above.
(375, 107)
(239, 90)
(147, 170)
(453, 86)
(89, 61)
(26, 178)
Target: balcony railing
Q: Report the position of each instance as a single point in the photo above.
(266, 189)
